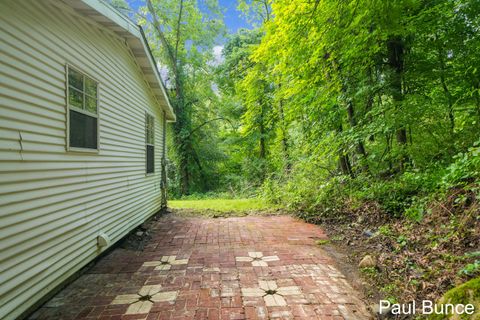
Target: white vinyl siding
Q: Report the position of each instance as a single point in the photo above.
(54, 203)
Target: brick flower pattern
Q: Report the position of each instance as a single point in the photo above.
(257, 259)
(165, 263)
(242, 268)
(143, 301)
(271, 293)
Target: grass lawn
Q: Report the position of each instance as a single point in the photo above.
(223, 205)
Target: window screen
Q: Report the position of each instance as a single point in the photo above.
(150, 159)
(149, 141)
(83, 110)
(83, 130)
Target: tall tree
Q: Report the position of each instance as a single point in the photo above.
(182, 37)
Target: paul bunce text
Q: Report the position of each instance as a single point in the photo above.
(425, 307)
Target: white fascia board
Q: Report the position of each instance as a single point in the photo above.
(113, 15)
(131, 32)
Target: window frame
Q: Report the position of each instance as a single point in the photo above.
(148, 114)
(69, 148)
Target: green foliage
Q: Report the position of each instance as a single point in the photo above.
(326, 105)
(471, 269)
(256, 11)
(182, 35)
(121, 6)
(369, 271)
(343, 102)
(390, 289)
(206, 195)
(315, 193)
(465, 168)
(322, 242)
(402, 241)
(385, 231)
(306, 190)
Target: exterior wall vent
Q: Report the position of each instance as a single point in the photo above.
(103, 240)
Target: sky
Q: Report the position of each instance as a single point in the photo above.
(232, 17)
(233, 20)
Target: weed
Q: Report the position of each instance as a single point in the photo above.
(402, 240)
(471, 269)
(385, 231)
(369, 271)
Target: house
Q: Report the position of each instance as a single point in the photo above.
(82, 138)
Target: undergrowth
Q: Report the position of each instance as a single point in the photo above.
(315, 194)
(423, 226)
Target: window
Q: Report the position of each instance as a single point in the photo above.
(82, 110)
(149, 141)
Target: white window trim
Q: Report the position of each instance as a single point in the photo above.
(149, 144)
(68, 107)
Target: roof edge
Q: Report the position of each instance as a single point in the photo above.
(110, 18)
(157, 73)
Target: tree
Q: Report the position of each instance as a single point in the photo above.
(122, 6)
(362, 82)
(182, 37)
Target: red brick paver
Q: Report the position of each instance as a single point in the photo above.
(234, 268)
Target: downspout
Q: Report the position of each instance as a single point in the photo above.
(163, 183)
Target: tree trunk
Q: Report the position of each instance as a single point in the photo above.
(369, 102)
(451, 116)
(284, 136)
(476, 94)
(262, 146)
(183, 117)
(203, 178)
(396, 51)
(344, 163)
(183, 166)
(343, 159)
(353, 123)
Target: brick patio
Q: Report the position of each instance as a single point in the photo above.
(194, 268)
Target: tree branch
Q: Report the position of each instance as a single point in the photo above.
(160, 33)
(208, 121)
(171, 54)
(178, 29)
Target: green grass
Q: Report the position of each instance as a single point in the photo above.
(222, 205)
(322, 242)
